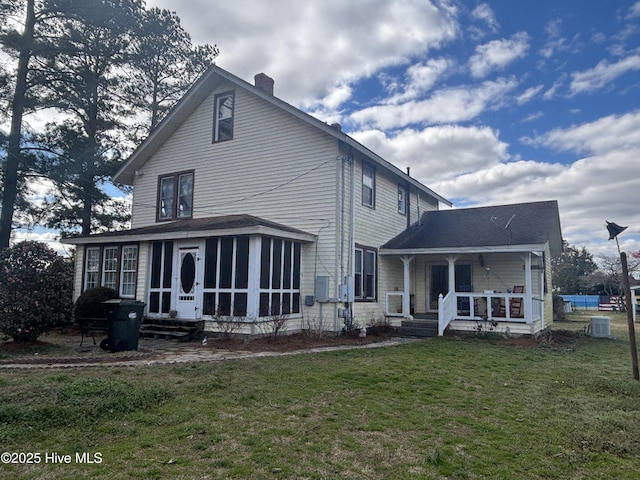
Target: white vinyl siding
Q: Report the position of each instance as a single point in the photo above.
(294, 170)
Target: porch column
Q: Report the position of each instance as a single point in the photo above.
(406, 297)
(253, 294)
(528, 288)
(451, 260)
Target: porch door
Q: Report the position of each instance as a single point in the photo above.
(188, 285)
(439, 282)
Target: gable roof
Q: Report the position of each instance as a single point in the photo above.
(201, 89)
(516, 227)
(197, 228)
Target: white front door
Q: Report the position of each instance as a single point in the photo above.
(188, 273)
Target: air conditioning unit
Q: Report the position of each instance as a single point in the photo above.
(600, 327)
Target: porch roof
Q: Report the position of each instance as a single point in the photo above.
(515, 227)
(197, 228)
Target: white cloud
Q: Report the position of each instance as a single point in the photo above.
(611, 133)
(634, 11)
(438, 153)
(533, 116)
(309, 47)
(529, 94)
(444, 106)
(590, 190)
(603, 74)
(497, 54)
(421, 78)
(484, 12)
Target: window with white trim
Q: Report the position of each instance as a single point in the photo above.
(129, 270)
(92, 267)
(223, 117)
(402, 200)
(112, 266)
(365, 274)
(368, 185)
(175, 196)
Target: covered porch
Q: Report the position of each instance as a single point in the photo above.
(487, 290)
(486, 268)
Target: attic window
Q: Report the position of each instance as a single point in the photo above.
(223, 120)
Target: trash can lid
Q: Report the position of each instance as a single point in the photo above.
(124, 301)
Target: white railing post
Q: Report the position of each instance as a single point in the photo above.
(440, 315)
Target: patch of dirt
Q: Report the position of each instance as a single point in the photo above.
(64, 347)
(293, 342)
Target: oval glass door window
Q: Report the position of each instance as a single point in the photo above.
(188, 273)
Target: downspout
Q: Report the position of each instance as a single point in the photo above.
(408, 189)
(352, 235)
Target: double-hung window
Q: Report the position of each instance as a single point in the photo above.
(110, 267)
(368, 185)
(223, 117)
(402, 200)
(92, 268)
(365, 274)
(175, 196)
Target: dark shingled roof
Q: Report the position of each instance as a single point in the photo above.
(227, 222)
(526, 224)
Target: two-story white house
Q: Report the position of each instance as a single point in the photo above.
(245, 206)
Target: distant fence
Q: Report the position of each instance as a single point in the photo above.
(582, 302)
(595, 302)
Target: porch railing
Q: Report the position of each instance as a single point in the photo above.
(394, 305)
(446, 311)
(490, 306)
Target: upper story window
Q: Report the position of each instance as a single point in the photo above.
(368, 185)
(402, 200)
(175, 196)
(223, 120)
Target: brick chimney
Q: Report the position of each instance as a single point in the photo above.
(264, 83)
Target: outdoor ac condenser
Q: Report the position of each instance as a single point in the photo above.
(600, 327)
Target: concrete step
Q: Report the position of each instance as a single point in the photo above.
(418, 328)
(167, 334)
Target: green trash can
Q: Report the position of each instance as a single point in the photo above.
(123, 323)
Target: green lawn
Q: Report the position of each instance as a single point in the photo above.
(453, 407)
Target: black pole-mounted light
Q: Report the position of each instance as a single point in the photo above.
(614, 230)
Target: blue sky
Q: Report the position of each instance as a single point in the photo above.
(489, 103)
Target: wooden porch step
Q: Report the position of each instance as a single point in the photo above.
(166, 334)
(171, 329)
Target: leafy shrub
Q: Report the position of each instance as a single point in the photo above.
(89, 304)
(558, 308)
(36, 290)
